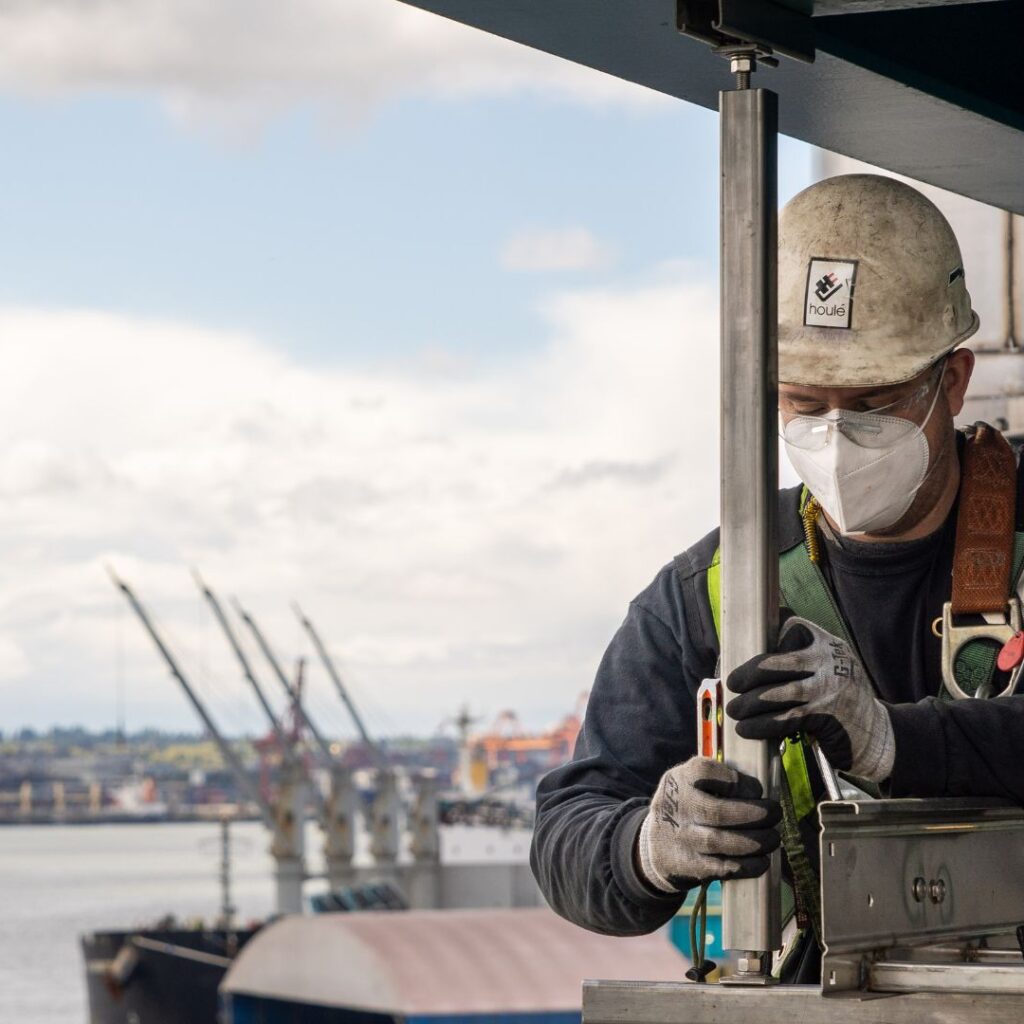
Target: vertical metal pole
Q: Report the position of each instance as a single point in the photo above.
(749, 383)
(227, 908)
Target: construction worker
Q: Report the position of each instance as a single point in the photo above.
(873, 305)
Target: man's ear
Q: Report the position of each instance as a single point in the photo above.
(959, 367)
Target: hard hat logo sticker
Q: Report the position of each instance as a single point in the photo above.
(828, 298)
(827, 286)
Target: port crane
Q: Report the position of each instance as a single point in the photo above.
(325, 755)
(284, 817)
(384, 812)
(337, 809)
(328, 662)
(284, 742)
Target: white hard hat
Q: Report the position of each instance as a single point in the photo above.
(871, 284)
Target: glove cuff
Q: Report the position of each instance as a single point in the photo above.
(880, 755)
(647, 868)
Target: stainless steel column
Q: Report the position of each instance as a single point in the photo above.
(750, 908)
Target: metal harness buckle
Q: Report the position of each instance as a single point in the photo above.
(955, 638)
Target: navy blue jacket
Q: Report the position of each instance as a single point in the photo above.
(641, 720)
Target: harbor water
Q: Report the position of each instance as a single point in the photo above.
(59, 881)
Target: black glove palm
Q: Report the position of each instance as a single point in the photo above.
(815, 684)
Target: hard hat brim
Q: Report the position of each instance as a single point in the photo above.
(852, 367)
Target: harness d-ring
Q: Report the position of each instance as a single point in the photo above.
(955, 638)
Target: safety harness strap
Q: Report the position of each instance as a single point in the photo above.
(806, 593)
(806, 889)
(794, 764)
(976, 663)
(983, 553)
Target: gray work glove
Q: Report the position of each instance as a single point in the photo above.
(815, 684)
(706, 821)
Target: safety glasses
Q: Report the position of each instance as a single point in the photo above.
(870, 428)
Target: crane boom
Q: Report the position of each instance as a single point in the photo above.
(339, 686)
(245, 782)
(243, 661)
(322, 744)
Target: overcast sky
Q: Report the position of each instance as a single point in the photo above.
(341, 303)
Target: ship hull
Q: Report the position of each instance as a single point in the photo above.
(157, 976)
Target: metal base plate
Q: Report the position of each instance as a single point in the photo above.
(624, 1002)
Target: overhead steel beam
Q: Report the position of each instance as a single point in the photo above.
(825, 8)
(724, 22)
(918, 91)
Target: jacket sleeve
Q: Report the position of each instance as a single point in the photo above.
(959, 748)
(640, 721)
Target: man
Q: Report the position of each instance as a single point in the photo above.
(872, 306)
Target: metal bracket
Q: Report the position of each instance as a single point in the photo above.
(912, 873)
(757, 25)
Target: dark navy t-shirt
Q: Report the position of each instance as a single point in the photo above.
(890, 595)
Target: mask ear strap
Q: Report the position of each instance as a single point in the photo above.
(932, 462)
(935, 397)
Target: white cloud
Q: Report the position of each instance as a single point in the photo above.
(537, 249)
(456, 537)
(239, 59)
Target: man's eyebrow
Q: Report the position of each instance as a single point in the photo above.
(799, 396)
(802, 396)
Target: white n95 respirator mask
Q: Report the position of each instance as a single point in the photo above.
(865, 468)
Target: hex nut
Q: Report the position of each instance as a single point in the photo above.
(937, 890)
(749, 964)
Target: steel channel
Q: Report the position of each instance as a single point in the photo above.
(873, 853)
(887, 976)
(749, 451)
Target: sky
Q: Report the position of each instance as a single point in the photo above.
(344, 304)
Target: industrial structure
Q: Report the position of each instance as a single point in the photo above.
(505, 754)
(165, 974)
(919, 899)
(402, 817)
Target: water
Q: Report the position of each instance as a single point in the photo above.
(57, 882)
